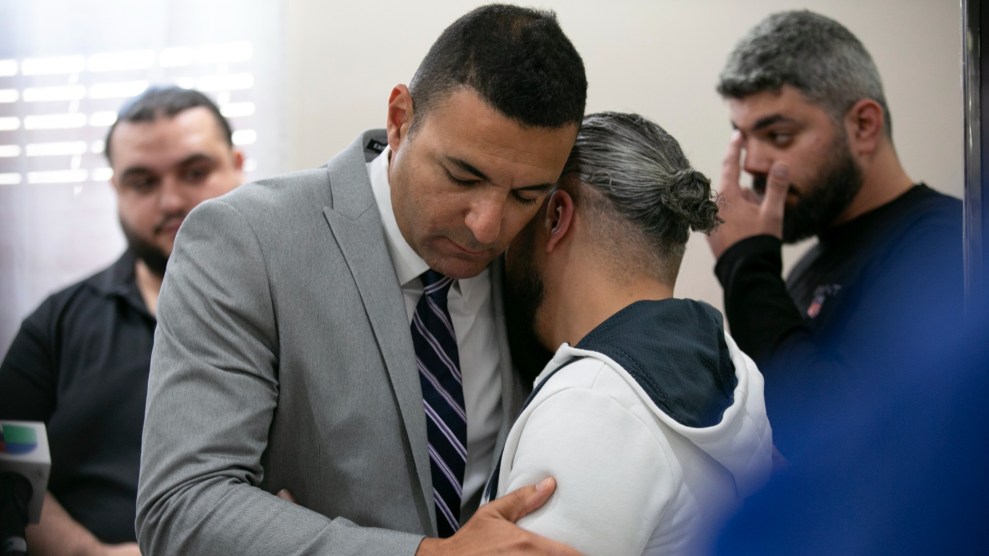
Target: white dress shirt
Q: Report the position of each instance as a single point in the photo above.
(472, 312)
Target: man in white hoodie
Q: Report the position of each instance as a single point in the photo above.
(648, 415)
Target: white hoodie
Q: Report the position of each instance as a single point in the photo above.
(631, 478)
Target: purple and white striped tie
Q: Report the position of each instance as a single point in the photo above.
(438, 361)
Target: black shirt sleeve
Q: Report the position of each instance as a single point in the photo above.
(27, 374)
(760, 312)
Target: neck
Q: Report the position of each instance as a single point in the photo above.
(149, 284)
(581, 299)
(883, 180)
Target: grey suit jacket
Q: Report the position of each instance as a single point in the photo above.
(283, 359)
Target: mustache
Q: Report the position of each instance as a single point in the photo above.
(759, 183)
(168, 221)
(468, 241)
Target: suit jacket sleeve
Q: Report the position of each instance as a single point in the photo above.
(212, 394)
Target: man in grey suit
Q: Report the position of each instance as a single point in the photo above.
(283, 356)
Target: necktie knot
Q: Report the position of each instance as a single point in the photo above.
(436, 285)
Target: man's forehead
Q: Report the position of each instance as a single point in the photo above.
(195, 121)
(159, 144)
(786, 104)
(532, 158)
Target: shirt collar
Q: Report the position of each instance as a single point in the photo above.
(120, 280)
(118, 277)
(408, 264)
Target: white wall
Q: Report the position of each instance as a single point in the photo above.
(338, 61)
(658, 58)
(52, 234)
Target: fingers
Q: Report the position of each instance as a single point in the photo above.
(521, 502)
(124, 549)
(730, 166)
(492, 529)
(774, 200)
(284, 494)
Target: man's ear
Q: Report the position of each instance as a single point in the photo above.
(238, 160)
(865, 123)
(558, 218)
(399, 115)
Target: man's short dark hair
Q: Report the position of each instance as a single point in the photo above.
(166, 101)
(517, 59)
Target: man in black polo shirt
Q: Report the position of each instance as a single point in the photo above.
(80, 361)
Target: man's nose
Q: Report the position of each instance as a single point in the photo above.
(172, 197)
(756, 160)
(484, 219)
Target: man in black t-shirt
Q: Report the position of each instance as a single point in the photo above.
(80, 361)
(811, 118)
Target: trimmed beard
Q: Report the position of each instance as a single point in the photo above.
(826, 197)
(524, 291)
(151, 255)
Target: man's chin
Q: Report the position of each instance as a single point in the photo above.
(152, 256)
(457, 263)
(795, 232)
(458, 269)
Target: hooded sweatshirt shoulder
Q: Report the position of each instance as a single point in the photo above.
(692, 339)
(654, 430)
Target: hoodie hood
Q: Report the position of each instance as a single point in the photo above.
(654, 341)
(690, 373)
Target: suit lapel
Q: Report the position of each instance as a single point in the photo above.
(355, 223)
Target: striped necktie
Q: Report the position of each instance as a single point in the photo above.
(438, 361)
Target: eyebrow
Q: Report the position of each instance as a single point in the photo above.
(767, 121)
(540, 188)
(191, 159)
(470, 169)
(467, 167)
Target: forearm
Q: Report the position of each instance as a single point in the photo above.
(26, 394)
(760, 311)
(224, 518)
(57, 534)
(200, 484)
